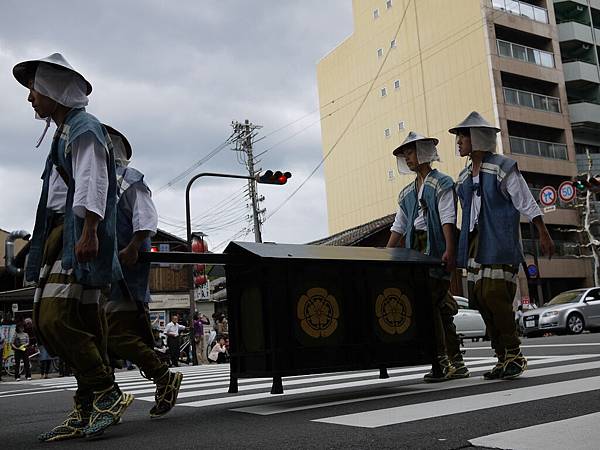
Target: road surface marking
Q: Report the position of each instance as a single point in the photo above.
(281, 408)
(580, 432)
(427, 410)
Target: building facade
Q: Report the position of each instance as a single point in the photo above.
(423, 66)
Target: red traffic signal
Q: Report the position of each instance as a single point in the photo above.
(274, 178)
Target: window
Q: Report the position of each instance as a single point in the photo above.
(401, 125)
(388, 4)
(383, 92)
(375, 14)
(393, 43)
(397, 84)
(387, 133)
(379, 52)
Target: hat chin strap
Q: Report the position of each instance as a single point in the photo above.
(39, 142)
(48, 119)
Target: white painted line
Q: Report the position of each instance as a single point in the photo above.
(581, 344)
(440, 408)
(369, 381)
(580, 432)
(268, 409)
(330, 387)
(32, 393)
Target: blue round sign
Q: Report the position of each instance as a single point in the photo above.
(532, 270)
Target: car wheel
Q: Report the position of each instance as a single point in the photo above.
(575, 323)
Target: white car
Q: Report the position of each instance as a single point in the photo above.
(468, 322)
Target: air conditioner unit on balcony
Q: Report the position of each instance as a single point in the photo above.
(585, 46)
(579, 8)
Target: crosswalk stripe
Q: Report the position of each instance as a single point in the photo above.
(281, 408)
(319, 388)
(427, 410)
(580, 432)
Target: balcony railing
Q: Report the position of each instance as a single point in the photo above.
(527, 54)
(522, 9)
(531, 100)
(562, 248)
(531, 147)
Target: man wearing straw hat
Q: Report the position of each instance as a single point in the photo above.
(129, 331)
(73, 249)
(425, 221)
(493, 196)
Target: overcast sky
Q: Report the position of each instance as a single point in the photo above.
(172, 75)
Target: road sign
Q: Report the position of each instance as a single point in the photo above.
(524, 300)
(532, 270)
(566, 191)
(548, 196)
(548, 209)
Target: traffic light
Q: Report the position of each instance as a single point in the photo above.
(273, 178)
(581, 184)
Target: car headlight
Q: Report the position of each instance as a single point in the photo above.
(550, 314)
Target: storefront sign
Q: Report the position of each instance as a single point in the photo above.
(170, 301)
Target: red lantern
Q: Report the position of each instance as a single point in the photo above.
(199, 268)
(199, 246)
(199, 280)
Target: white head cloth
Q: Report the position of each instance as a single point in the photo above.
(426, 153)
(119, 150)
(482, 140)
(63, 86)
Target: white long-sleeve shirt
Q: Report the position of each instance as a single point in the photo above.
(516, 187)
(137, 203)
(446, 209)
(90, 172)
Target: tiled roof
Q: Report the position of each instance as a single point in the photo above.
(352, 236)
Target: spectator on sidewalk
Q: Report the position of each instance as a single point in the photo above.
(172, 330)
(19, 345)
(219, 352)
(45, 361)
(199, 321)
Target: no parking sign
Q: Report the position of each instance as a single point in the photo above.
(548, 196)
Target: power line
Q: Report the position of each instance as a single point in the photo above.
(194, 166)
(350, 122)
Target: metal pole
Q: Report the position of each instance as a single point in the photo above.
(538, 280)
(188, 223)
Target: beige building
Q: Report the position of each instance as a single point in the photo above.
(423, 65)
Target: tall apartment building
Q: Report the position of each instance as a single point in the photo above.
(424, 65)
(579, 34)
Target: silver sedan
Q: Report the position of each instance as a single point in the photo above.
(570, 312)
(468, 322)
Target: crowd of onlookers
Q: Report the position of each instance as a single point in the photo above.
(171, 344)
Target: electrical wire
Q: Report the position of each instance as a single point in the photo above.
(350, 122)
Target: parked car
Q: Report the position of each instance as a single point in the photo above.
(468, 322)
(570, 312)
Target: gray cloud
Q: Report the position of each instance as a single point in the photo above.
(172, 76)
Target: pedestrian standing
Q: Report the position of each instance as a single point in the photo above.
(199, 321)
(72, 254)
(45, 361)
(172, 330)
(425, 222)
(20, 344)
(493, 195)
(129, 329)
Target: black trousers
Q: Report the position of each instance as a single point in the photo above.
(21, 356)
(45, 367)
(173, 344)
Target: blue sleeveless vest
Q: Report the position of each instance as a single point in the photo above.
(136, 277)
(498, 224)
(105, 267)
(435, 184)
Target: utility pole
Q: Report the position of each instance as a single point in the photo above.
(244, 136)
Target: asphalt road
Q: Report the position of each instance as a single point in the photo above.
(344, 410)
